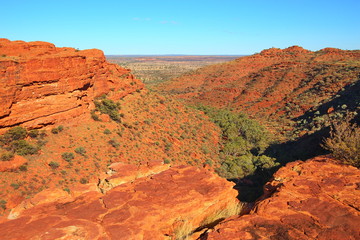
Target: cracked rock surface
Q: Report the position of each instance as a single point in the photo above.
(316, 199)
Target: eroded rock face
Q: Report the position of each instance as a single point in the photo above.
(41, 84)
(316, 199)
(149, 208)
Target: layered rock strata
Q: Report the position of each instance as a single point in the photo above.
(41, 84)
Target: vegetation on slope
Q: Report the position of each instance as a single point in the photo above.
(344, 142)
(243, 143)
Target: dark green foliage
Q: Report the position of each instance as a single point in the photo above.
(3, 204)
(107, 131)
(6, 156)
(80, 150)
(244, 140)
(23, 168)
(34, 133)
(109, 107)
(15, 185)
(114, 143)
(13, 141)
(95, 116)
(68, 156)
(54, 165)
(15, 133)
(22, 147)
(84, 181)
(57, 129)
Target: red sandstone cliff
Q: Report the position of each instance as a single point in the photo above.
(42, 84)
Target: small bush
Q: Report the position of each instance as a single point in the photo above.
(6, 156)
(109, 107)
(55, 130)
(34, 133)
(54, 165)
(15, 133)
(3, 204)
(68, 156)
(22, 147)
(23, 168)
(344, 142)
(107, 131)
(80, 150)
(95, 116)
(84, 181)
(15, 185)
(114, 143)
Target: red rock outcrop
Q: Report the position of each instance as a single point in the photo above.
(41, 84)
(149, 208)
(316, 199)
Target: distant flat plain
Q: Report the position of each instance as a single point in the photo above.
(154, 69)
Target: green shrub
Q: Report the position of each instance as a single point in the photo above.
(6, 156)
(3, 204)
(23, 168)
(95, 116)
(344, 142)
(80, 150)
(15, 185)
(84, 181)
(68, 156)
(22, 147)
(34, 133)
(109, 107)
(243, 141)
(54, 165)
(114, 143)
(55, 130)
(107, 131)
(15, 133)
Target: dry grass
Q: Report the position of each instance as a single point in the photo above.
(184, 230)
(344, 142)
(231, 210)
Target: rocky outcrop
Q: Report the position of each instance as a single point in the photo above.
(152, 207)
(41, 84)
(316, 199)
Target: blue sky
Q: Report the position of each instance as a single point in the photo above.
(184, 26)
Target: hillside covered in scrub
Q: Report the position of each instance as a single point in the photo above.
(88, 152)
(277, 86)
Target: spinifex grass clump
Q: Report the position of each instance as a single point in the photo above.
(106, 106)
